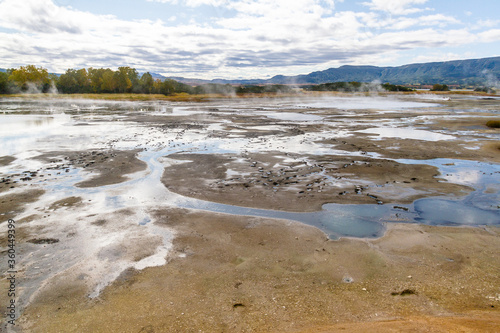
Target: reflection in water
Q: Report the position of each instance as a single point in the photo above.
(362, 102)
(16, 124)
(290, 116)
(406, 133)
(448, 212)
(336, 220)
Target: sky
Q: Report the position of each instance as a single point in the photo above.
(243, 39)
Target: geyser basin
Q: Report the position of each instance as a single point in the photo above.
(44, 126)
(102, 229)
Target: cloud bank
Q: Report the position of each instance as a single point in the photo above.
(242, 38)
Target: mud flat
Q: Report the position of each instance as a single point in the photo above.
(304, 184)
(158, 216)
(110, 167)
(243, 274)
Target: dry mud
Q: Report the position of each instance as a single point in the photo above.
(303, 184)
(107, 249)
(243, 274)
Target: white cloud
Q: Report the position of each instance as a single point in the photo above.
(402, 23)
(425, 38)
(488, 36)
(440, 56)
(396, 7)
(78, 39)
(438, 19)
(260, 38)
(486, 24)
(194, 3)
(38, 16)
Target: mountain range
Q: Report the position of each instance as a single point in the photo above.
(485, 71)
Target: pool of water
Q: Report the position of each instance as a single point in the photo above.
(480, 207)
(406, 133)
(367, 102)
(290, 116)
(31, 128)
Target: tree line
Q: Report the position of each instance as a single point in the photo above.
(92, 80)
(127, 80)
(104, 80)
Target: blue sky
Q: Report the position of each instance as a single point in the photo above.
(243, 38)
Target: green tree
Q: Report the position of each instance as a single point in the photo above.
(440, 87)
(393, 87)
(74, 81)
(167, 87)
(83, 81)
(133, 76)
(147, 83)
(4, 83)
(67, 82)
(123, 83)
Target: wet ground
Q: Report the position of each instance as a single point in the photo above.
(96, 187)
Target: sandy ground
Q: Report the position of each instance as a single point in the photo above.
(243, 274)
(246, 274)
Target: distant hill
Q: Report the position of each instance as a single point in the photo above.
(485, 71)
(155, 76)
(190, 81)
(193, 81)
(475, 71)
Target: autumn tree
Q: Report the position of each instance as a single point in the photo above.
(157, 86)
(30, 76)
(126, 79)
(108, 82)
(95, 78)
